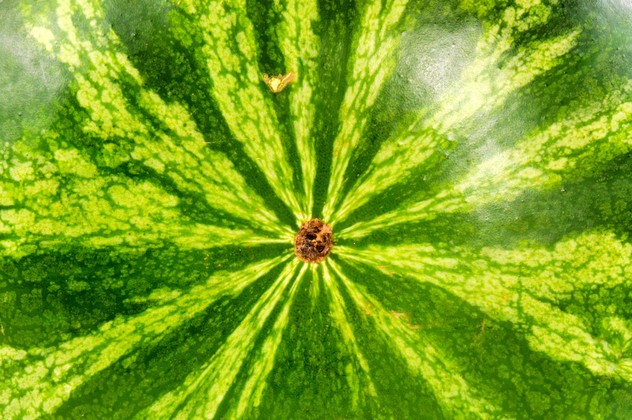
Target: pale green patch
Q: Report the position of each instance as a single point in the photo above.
(202, 392)
(300, 47)
(506, 288)
(103, 76)
(484, 87)
(44, 36)
(70, 162)
(373, 62)
(359, 378)
(229, 52)
(442, 374)
(21, 171)
(583, 263)
(51, 375)
(8, 354)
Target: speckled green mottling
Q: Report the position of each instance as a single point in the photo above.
(587, 136)
(226, 46)
(523, 287)
(425, 141)
(473, 158)
(252, 392)
(300, 46)
(167, 142)
(422, 357)
(373, 63)
(93, 209)
(359, 376)
(203, 391)
(75, 361)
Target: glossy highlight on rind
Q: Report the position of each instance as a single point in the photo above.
(470, 159)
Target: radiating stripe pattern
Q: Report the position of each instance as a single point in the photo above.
(146, 261)
(227, 47)
(524, 296)
(174, 146)
(74, 362)
(300, 46)
(374, 61)
(421, 143)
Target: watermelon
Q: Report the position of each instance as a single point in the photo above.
(315, 209)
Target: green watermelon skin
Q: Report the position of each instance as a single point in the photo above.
(473, 159)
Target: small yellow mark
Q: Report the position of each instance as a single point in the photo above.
(279, 82)
(401, 315)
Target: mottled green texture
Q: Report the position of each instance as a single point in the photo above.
(472, 157)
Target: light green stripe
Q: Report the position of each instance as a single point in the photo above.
(456, 398)
(374, 61)
(358, 376)
(103, 74)
(577, 143)
(586, 138)
(252, 393)
(517, 18)
(193, 163)
(300, 47)
(391, 166)
(315, 285)
(508, 292)
(229, 51)
(415, 212)
(485, 84)
(483, 87)
(583, 263)
(51, 375)
(93, 210)
(202, 392)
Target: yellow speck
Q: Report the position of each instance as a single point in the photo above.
(279, 82)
